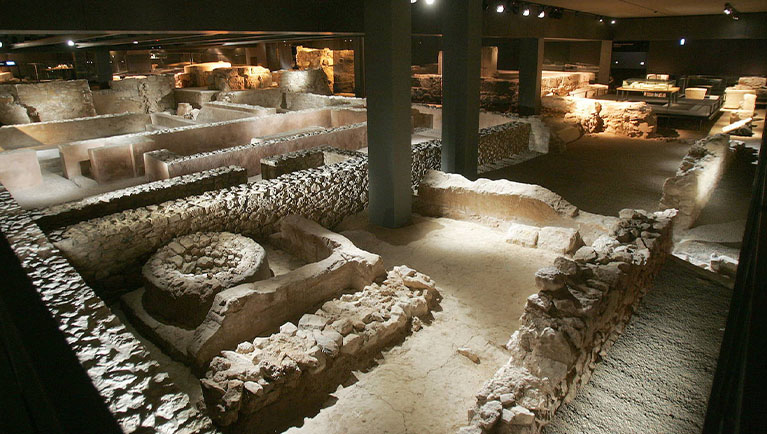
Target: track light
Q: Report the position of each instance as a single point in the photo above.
(1, 44)
(500, 8)
(601, 19)
(413, 1)
(526, 12)
(429, 2)
(542, 13)
(731, 11)
(728, 9)
(71, 43)
(682, 41)
(612, 21)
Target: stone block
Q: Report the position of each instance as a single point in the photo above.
(20, 169)
(523, 235)
(559, 240)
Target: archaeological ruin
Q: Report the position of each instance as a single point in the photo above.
(432, 216)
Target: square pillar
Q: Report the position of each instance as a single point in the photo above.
(387, 66)
(359, 67)
(605, 62)
(530, 70)
(461, 41)
(103, 68)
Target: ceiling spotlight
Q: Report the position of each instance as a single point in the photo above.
(526, 12)
(728, 9)
(500, 8)
(682, 41)
(1, 44)
(71, 43)
(135, 42)
(429, 2)
(413, 1)
(616, 62)
(542, 13)
(612, 21)
(641, 63)
(601, 19)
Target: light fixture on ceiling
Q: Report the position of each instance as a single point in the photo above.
(135, 42)
(430, 2)
(613, 21)
(542, 13)
(641, 63)
(526, 11)
(413, 1)
(682, 41)
(728, 9)
(1, 44)
(601, 19)
(500, 8)
(71, 43)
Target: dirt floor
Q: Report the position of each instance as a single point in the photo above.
(658, 375)
(424, 385)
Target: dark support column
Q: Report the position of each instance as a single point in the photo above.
(461, 42)
(387, 65)
(272, 56)
(530, 69)
(359, 67)
(103, 68)
(605, 62)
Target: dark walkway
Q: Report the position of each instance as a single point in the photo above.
(658, 375)
(603, 174)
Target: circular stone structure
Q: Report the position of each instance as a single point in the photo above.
(182, 278)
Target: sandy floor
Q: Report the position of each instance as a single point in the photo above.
(423, 385)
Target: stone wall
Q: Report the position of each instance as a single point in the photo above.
(109, 251)
(307, 81)
(278, 165)
(632, 119)
(142, 195)
(258, 388)
(580, 309)
(249, 156)
(240, 78)
(506, 204)
(150, 94)
(502, 141)
(139, 394)
(697, 177)
(41, 102)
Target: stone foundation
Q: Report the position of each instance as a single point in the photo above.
(150, 94)
(144, 398)
(181, 278)
(581, 308)
(240, 78)
(271, 381)
(507, 204)
(278, 165)
(142, 195)
(697, 177)
(632, 119)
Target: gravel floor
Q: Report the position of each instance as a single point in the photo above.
(658, 375)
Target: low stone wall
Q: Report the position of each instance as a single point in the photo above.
(306, 81)
(269, 382)
(278, 165)
(49, 134)
(504, 203)
(142, 195)
(697, 177)
(350, 137)
(245, 311)
(240, 78)
(632, 119)
(144, 399)
(502, 141)
(579, 311)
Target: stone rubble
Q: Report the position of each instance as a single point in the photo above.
(580, 309)
(305, 362)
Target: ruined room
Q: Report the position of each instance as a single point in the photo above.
(423, 216)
